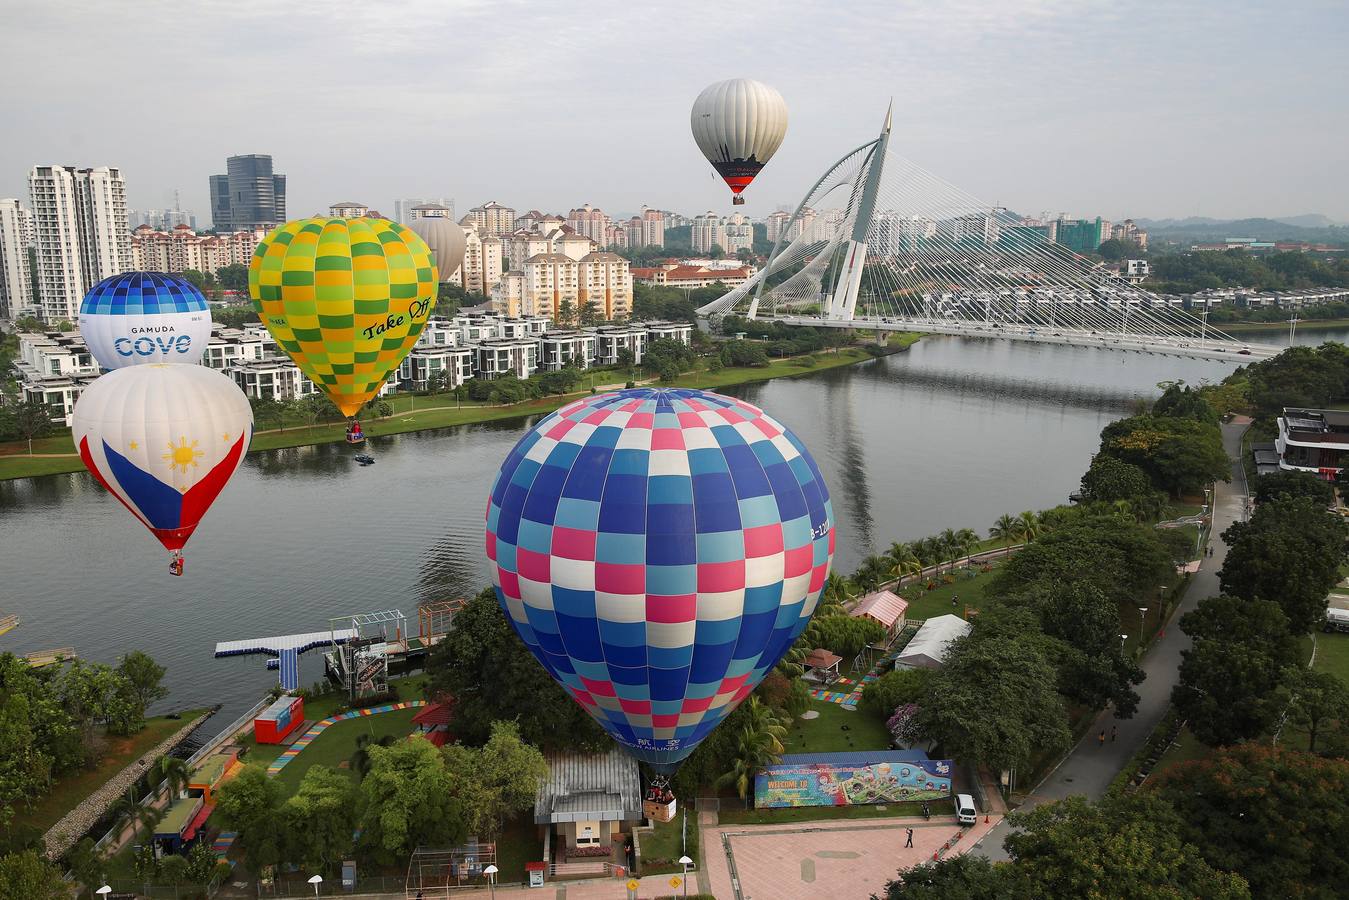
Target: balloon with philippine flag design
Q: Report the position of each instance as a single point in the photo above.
(164, 439)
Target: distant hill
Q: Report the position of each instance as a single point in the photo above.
(1314, 228)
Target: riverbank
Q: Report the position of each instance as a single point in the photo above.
(1281, 326)
(56, 454)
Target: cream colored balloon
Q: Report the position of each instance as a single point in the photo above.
(443, 235)
(739, 124)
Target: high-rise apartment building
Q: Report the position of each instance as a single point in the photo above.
(491, 219)
(403, 210)
(482, 261)
(708, 232)
(739, 235)
(249, 195)
(80, 222)
(16, 283)
(653, 228)
(591, 222)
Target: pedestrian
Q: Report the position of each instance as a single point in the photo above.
(1114, 733)
(1100, 739)
(954, 598)
(908, 842)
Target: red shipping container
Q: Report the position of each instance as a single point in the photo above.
(274, 723)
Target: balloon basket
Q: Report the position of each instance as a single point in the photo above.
(659, 804)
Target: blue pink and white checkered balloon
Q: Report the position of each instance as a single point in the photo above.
(659, 550)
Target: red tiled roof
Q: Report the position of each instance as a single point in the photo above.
(434, 714)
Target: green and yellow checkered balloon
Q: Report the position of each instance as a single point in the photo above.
(345, 298)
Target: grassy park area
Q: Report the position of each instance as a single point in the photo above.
(1332, 655)
(667, 841)
(836, 730)
(118, 753)
(730, 815)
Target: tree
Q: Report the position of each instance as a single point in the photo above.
(1124, 847)
(743, 353)
(175, 772)
(249, 803)
(1280, 818)
(872, 573)
(993, 700)
(1108, 479)
(1232, 678)
(758, 743)
(1028, 526)
(491, 675)
(30, 419)
(31, 877)
(318, 819)
(144, 675)
(716, 252)
(1284, 483)
(1290, 552)
(1319, 699)
(1179, 455)
(1299, 376)
(893, 689)
(843, 634)
(903, 560)
(1005, 530)
(408, 800)
(360, 760)
(964, 877)
(87, 865)
(24, 768)
(202, 281)
(233, 277)
(1181, 402)
(504, 774)
(268, 409)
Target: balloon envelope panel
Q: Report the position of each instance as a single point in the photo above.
(345, 298)
(164, 440)
(659, 550)
(145, 317)
(738, 125)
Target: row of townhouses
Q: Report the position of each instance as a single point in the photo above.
(55, 367)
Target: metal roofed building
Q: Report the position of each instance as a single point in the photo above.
(1313, 440)
(933, 641)
(883, 607)
(588, 797)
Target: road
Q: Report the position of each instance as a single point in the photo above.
(1090, 767)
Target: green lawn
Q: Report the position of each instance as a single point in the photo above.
(826, 734)
(68, 792)
(968, 589)
(665, 843)
(1332, 654)
(337, 743)
(736, 816)
(1186, 748)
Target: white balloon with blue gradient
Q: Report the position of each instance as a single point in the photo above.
(145, 317)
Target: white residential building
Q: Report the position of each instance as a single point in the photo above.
(482, 262)
(550, 285)
(739, 235)
(182, 249)
(605, 285)
(518, 356)
(271, 378)
(708, 231)
(404, 210)
(348, 210)
(16, 282)
(80, 222)
(653, 228)
(612, 339)
(591, 223)
(424, 363)
(491, 218)
(557, 349)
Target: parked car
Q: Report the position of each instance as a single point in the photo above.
(966, 814)
(1336, 620)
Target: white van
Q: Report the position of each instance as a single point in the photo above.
(965, 812)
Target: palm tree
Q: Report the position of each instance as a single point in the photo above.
(872, 573)
(1149, 507)
(950, 546)
(838, 590)
(967, 540)
(904, 561)
(360, 760)
(1028, 526)
(127, 811)
(758, 744)
(1005, 530)
(175, 772)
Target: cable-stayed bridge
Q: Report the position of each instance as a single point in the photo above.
(880, 243)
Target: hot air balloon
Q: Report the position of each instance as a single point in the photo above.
(658, 551)
(435, 225)
(345, 298)
(145, 317)
(163, 439)
(739, 124)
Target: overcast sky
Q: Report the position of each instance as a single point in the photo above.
(1143, 109)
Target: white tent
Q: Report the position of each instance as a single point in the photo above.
(929, 646)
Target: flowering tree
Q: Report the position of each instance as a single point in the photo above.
(903, 724)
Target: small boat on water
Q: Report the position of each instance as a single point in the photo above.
(364, 460)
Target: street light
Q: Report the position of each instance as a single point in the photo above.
(316, 880)
(685, 862)
(104, 891)
(1122, 639)
(491, 873)
(1142, 613)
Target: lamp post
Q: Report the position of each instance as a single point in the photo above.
(1122, 639)
(316, 880)
(685, 862)
(104, 891)
(1142, 614)
(491, 873)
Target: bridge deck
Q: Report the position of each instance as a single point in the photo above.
(1166, 345)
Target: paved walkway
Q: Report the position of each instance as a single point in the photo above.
(1090, 768)
(841, 858)
(319, 727)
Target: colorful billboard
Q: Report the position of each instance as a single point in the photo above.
(823, 784)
